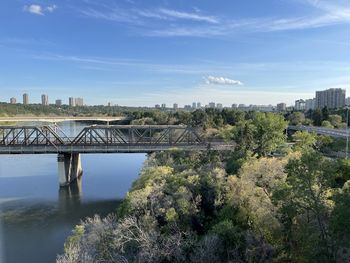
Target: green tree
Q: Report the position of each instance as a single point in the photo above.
(244, 134)
(340, 218)
(317, 117)
(325, 113)
(296, 118)
(335, 120)
(269, 135)
(199, 118)
(304, 140)
(326, 124)
(304, 205)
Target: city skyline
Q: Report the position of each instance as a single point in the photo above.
(142, 53)
(332, 98)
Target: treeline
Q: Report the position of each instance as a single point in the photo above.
(241, 206)
(204, 118)
(7, 109)
(320, 117)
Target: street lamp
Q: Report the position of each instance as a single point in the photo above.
(347, 133)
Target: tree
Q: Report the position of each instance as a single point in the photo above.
(251, 192)
(269, 135)
(244, 134)
(340, 217)
(305, 208)
(327, 124)
(296, 118)
(199, 118)
(335, 120)
(304, 140)
(325, 113)
(317, 117)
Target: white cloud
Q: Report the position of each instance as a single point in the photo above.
(34, 9)
(51, 8)
(38, 9)
(222, 81)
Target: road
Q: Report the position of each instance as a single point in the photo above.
(337, 133)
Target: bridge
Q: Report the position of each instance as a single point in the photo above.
(58, 119)
(336, 133)
(48, 139)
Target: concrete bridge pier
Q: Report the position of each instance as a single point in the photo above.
(69, 168)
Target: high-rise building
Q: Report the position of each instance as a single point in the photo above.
(299, 105)
(175, 106)
(13, 100)
(187, 107)
(71, 102)
(25, 99)
(219, 106)
(163, 106)
(194, 105)
(310, 104)
(331, 98)
(44, 100)
(199, 105)
(157, 106)
(281, 106)
(58, 103)
(234, 106)
(347, 101)
(79, 101)
(212, 105)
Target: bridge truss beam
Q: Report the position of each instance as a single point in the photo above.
(48, 139)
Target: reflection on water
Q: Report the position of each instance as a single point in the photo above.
(34, 231)
(69, 197)
(36, 216)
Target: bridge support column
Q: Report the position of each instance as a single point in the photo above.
(69, 168)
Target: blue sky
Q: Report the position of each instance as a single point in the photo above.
(137, 52)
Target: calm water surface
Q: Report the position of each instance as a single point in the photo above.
(36, 216)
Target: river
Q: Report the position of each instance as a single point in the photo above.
(36, 216)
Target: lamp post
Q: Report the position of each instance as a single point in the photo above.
(347, 133)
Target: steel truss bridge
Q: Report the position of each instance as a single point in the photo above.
(102, 139)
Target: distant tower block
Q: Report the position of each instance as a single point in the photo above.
(25, 99)
(44, 100)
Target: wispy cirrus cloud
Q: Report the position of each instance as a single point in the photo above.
(198, 24)
(188, 16)
(113, 14)
(38, 9)
(135, 16)
(212, 69)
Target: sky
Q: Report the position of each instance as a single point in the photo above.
(141, 53)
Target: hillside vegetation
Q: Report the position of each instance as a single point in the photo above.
(241, 206)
